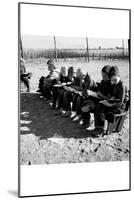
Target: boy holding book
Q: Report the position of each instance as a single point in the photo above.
(116, 104)
(103, 91)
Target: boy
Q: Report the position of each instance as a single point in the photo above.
(103, 90)
(116, 104)
(23, 76)
(51, 79)
(58, 90)
(88, 83)
(69, 96)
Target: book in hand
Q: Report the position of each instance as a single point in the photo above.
(93, 94)
(106, 103)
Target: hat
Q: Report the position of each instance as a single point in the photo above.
(50, 62)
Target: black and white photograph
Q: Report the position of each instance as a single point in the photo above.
(74, 97)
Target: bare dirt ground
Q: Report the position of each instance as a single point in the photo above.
(48, 139)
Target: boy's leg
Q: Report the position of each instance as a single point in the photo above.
(74, 102)
(54, 97)
(47, 92)
(60, 97)
(88, 107)
(100, 115)
(26, 81)
(67, 98)
(79, 104)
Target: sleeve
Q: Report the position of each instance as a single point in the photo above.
(54, 75)
(121, 96)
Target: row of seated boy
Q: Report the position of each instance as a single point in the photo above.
(77, 95)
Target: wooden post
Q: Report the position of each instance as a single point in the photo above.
(87, 49)
(123, 48)
(55, 48)
(21, 49)
(129, 50)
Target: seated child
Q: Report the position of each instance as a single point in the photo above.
(70, 96)
(103, 92)
(57, 91)
(81, 99)
(63, 92)
(116, 104)
(24, 77)
(51, 79)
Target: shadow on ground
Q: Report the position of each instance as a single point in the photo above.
(37, 118)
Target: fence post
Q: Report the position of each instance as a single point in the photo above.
(87, 49)
(55, 48)
(21, 49)
(123, 48)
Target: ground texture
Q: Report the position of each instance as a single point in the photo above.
(46, 138)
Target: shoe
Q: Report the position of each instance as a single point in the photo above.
(59, 112)
(73, 114)
(85, 125)
(77, 118)
(41, 97)
(81, 122)
(98, 131)
(67, 114)
(28, 90)
(38, 90)
(46, 100)
(52, 107)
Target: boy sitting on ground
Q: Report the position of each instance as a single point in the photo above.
(103, 91)
(69, 95)
(23, 75)
(51, 79)
(58, 89)
(87, 84)
(116, 104)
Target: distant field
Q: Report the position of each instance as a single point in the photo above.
(38, 67)
(94, 54)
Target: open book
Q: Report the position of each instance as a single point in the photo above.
(93, 94)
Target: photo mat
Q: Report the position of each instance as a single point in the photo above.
(102, 51)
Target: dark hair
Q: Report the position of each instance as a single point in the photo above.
(106, 69)
(70, 71)
(50, 62)
(114, 71)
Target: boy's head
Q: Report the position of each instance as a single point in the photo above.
(63, 71)
(114, 75)
(79, 73)
(105, 72)
(51, 65)
(87, 80)
(70, 71)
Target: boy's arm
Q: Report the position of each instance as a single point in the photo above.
(121, 97)
(54, 75)
(102, 95)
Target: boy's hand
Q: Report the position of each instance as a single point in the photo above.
(88, 92)
(106, 103)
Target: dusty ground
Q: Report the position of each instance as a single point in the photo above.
(46, 138)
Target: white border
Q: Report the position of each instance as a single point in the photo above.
(74, 178)
(75, 22)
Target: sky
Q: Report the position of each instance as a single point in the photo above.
(46, 42)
